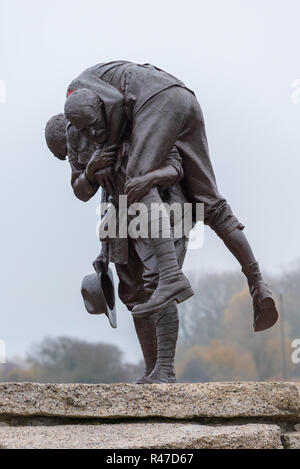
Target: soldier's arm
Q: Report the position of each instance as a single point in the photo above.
(84, 189)
(167, 175)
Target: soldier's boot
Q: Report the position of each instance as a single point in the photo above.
(146, 332)
(265, 312)
(166, 335)
(172, 284)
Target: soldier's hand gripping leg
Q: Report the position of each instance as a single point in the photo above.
(172, 284)
(146, 332)
(166, 323)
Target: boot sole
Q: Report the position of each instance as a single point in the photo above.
(184, 295)
(141, 380)
(268, 316)
(157, 381)
(178, 297)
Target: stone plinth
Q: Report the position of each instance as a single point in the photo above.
(126, 416)
(178, 401)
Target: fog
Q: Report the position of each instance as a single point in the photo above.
(240, 58)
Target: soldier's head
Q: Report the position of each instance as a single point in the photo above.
(55, 134)
(85, 110)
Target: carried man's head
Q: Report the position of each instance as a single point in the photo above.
(84, 109)
(55, 134)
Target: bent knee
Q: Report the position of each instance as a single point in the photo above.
(221, 219)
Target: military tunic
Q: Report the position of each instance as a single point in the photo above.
(162, 113)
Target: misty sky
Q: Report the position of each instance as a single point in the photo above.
(239, 56)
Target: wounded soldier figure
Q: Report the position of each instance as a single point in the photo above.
(134, 259)
(159, 113)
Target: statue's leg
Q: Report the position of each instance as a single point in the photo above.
(201, 187)
(153, 135)
(166, 323)
(265, 313)
(131, 292)
(172, 284)
(146, 332)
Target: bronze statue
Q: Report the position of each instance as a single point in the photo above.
(135, 261)
(136, 130)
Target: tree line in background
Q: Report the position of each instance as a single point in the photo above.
(216, 342)
(68, 360)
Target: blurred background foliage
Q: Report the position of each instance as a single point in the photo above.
(216, 341)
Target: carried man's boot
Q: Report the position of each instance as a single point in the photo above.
(166, 335)
(172, 283)
(172, 286)
(265, 312)
(146, 332)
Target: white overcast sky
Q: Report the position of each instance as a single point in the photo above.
(239, 56)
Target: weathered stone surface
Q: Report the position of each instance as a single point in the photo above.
(220, 400)
(142, 435)
(291, 440)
